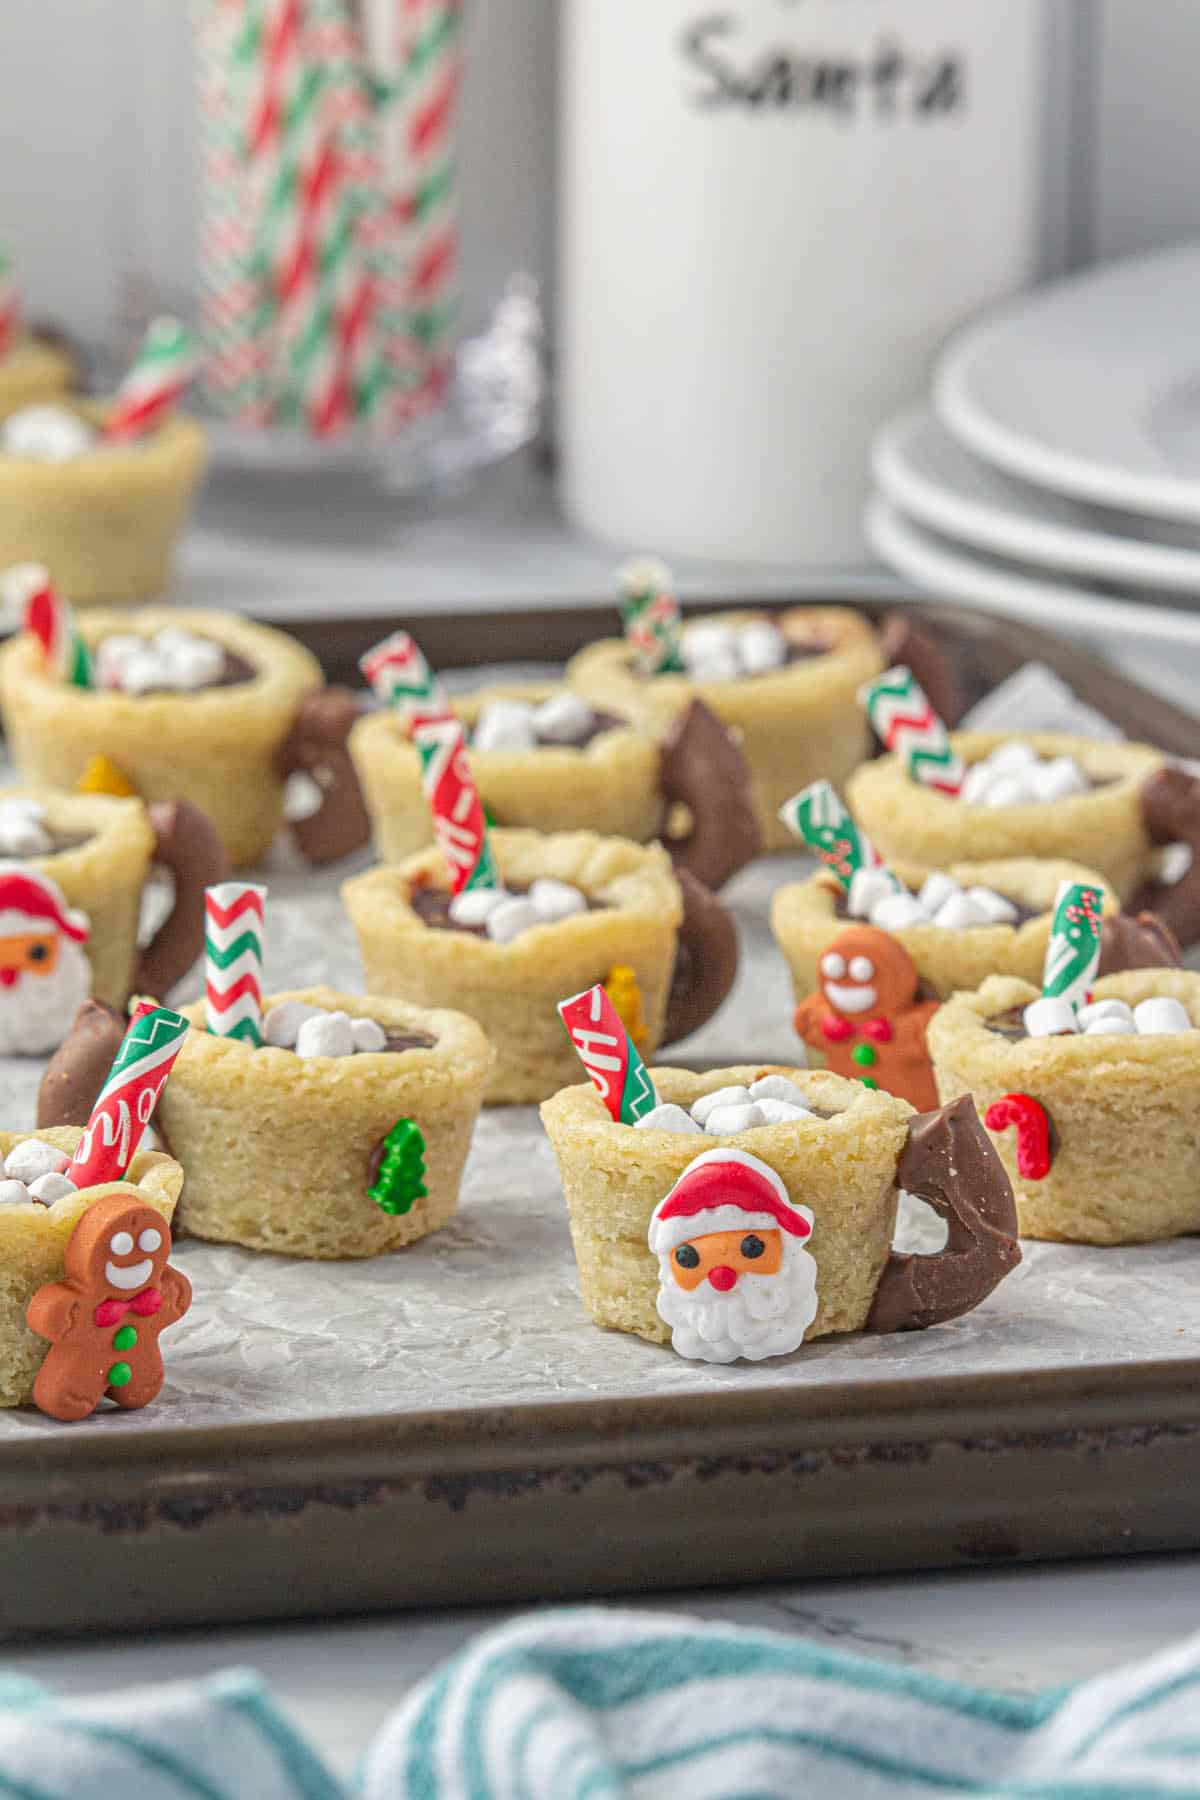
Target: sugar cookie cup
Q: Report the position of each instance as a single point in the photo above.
(281, 1149)
(798, 724)
(227, 750)
(109, 847)
(35, 370)
(513, 989)
(1102, 829)
(1121, 1110)
(33, 1242)
(610, 786)
(805, 919)
(844, 1166)
(105, 523)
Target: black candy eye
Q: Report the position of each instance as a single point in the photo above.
(687, 1257)
(752, 1246)
(38, 953)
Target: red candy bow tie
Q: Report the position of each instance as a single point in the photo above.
(111, 1312)
(836, 1030)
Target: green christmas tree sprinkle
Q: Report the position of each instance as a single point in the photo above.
(401, 1177)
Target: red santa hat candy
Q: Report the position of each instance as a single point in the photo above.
(725, 1190)
(32, 902)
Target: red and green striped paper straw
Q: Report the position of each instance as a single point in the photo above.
(10, 302)
(1073, 950)
(29, 590)
(456, 811)
(905, 723)
(126, 1102)
(234, 923)
(651, 617)
(400, 676)
(609, 1054)
(817, 816)
(169, 357)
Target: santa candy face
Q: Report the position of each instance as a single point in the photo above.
(722, 1257)
(44, 973)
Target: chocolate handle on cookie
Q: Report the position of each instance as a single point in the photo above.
(949, 1161)
(186, 844)
(702, 768)
(77, 1070)
(1171, 815)
(317, 746)
(706, 960)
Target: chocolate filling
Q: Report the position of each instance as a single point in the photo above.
(803, 650)
(396, 1041)
(432, 906)
(1011, 1024)
(597, 725)
(235, 671)
(841, 907)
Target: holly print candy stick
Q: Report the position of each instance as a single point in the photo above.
(400, 676)
(817, 816)
(1073, 952)
(47, 617)
(453, 799)
(126, 1102)
(609, 1055)
(234, 920)
(651, 617)
(905, 723)
(166, 363)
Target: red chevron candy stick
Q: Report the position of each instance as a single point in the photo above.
(453, 800)
(234, 920)
(609, 1055)
(400, 676)
(126, 1102)
(29, 590)
(905, 723)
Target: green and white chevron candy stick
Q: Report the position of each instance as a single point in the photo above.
(817, 816)
(650, 614)
(1073, 952)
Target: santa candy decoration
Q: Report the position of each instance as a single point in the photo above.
(868, 1018)
(735, 1276)
(44, 974)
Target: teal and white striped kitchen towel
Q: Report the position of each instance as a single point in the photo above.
(592, 1704)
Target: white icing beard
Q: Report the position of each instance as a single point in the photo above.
(36, 1010)
(763, 1315)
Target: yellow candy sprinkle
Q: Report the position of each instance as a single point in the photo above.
(623, 990)
(102, 776)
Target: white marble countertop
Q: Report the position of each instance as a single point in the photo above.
(1018, 1629)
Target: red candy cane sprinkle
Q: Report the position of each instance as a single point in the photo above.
(1032, 1123)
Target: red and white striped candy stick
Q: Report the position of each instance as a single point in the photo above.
(47, 617)
(234, 922)
(609, 1055)
(10, 302)
(126, 1102)
(166, 363)
(453, 799)
(400, 676)
(906, 723)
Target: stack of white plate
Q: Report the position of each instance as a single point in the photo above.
(1056, 473)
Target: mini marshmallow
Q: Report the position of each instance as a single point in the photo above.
(21, 830)
(976, 782)
(562, 718)
(282, 1024)
(553, 900)
(867, 888)
(369, 1035)
(46, 434)
(959, 913)
(996, 908)
(505, 725)
(777, 1087)
(14, 1193)
(1103, 1009)
(935, 890)
(188, 662)
(112, 654)
(782, 1112)
(328, 1034)
(761, 647)
(1012, 757)
(1159, 1016)
(709, 637)
(473, 905)
(1110, 1025)
(726, 1096)
(51, 1187)
(1056, 779)
(727, 1121)
(31, 1158)
(513, 916)
(1046, 1017)
(667, 1118)
(141, 671)
(898, 911)
(715, 665)
(1008, 790)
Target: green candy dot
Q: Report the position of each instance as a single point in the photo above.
(863, 1053)
(119, 1374)
(867, 1081)
(125, 1339)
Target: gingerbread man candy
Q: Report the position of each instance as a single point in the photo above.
(867, 1018)
(103, 1321)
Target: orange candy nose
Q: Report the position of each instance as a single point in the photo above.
(723, 1277)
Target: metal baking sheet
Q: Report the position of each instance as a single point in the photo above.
(446, 1424)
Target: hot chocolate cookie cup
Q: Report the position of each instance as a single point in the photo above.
(108, 848)
(796, 724)
(609, 785)
(1121, 1110)
(222, 748)
(844, 1166)
(33, 1241)
(34, 371)
(513, 989)
(805, 919)
(104, 523)
(281, 1149)
(1102, 829)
